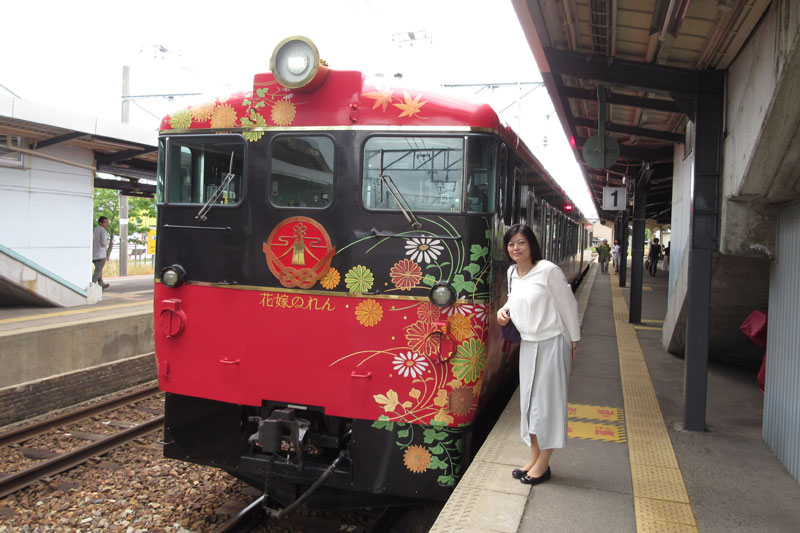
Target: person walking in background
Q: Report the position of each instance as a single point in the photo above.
(603, 255)
(615, 251)
(546, 314)
(653, 256)
(99, 250)
(665, 265)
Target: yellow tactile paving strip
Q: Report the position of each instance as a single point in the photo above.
(71, 312)
(659, 493)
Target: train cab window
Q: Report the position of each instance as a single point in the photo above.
(202, 169)
(301, 171)
(481, 174)
(426, 171)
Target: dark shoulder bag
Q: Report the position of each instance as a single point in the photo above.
(510, 331)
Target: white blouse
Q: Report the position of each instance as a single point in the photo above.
(542, 305)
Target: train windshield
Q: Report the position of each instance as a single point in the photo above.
(428, 172)
(201, 170)
(301, 171)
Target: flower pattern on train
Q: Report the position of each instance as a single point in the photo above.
(331, 279)
(405, 274)
(460, 327)
(181, 120)
(224, 117)
(461, 400)
(369, 313)
(417, 458)
(283, 112)
(423, 249)
(428, 312)
(420, 338)
(202, 112)
(469, 360)
(359, 279)
(410, 364)
(252, 121)
(391, 401)
(383, 97)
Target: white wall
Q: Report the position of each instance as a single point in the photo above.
(680, 233)
(46, 213)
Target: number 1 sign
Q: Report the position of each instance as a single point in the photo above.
(614, 198)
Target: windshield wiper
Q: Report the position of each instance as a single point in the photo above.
(201, 215)
(402, 203)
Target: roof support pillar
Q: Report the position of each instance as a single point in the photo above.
(704, 241)
(637, 246)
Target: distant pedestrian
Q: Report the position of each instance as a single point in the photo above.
(603, 255)
(665, 266)
(99, 250)
(615, 251)
(653, 256)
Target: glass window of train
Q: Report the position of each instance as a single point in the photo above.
(482, 154)
(301, 171)
(517, 204)
(427, 171)
(197, 166)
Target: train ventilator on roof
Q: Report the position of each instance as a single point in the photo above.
(296, 65)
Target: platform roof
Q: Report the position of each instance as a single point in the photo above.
(649, 56)
(119, 149)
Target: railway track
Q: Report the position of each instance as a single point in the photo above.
(98, 444)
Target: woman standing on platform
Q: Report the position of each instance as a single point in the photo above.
(546, 314)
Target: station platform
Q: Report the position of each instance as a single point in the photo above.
(55, 357)
(629, 465)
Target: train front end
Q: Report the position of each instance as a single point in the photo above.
(324, 279)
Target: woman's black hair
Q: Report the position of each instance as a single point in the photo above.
(527, 232)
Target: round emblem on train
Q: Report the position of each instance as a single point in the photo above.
(299, 252)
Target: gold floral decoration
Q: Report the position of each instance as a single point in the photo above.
(369, 313)
(443, 416)
(255, 120)
(283, 112)
(181, 120)
(420, 338)
(460, 327)
(428, 312)
(390, 401)
(461, 400)
(383, 97)
(202, 112)
(405, 274)
(331, 279)
(417, 459)
(224, 117)
(411, 106)
(469, 360)
(359, 279)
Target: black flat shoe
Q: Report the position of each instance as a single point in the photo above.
(519, 474)
(529, 480)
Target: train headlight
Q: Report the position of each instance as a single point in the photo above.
(173, 276)
(442, 294)
(295, 64)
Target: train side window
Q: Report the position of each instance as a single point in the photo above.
(301, 171)
(516, 208)
(427, 171)
(482, 153)
(197, 166)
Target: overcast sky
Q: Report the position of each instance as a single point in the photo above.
(69, 55)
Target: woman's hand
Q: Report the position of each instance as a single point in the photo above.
(574, 349)
(502, 317)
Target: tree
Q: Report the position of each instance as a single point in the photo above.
(106, 204)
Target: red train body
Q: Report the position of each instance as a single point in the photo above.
(329, 259)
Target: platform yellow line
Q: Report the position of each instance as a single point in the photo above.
(72, 312)
(659, 494)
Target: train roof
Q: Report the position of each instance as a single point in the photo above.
(344, 100)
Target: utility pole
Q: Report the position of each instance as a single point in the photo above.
(123, 200)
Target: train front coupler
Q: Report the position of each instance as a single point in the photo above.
(281, 432)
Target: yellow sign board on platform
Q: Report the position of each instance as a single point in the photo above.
(151, 242)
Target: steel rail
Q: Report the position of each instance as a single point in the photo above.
(31, 431)
(56, 465)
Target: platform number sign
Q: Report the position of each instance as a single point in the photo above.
(614, 198)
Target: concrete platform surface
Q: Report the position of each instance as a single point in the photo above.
(629, 465)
